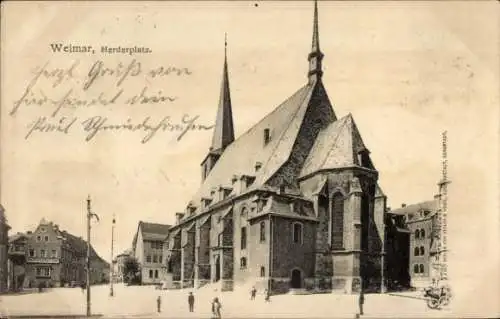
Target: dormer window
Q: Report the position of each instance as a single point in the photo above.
(234, 179)
(267, 136)
(191, 209)
(258, 165)
(205, 202)
(226, 192)
(364, 158)
(282, 189)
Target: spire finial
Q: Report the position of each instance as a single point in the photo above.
(225, 44)
(315, 57)
(315, 41)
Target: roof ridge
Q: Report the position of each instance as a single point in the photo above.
(343, 124)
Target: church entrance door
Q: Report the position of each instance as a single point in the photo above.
(296, 282)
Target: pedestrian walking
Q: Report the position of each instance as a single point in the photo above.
(191, 302)
(361, 301)
(158, 304)
(267, 297)
(216, 308)
(253, 293)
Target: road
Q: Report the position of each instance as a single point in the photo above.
(140, 302)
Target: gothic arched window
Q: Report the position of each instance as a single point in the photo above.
(416, 251)
(262, 271)
(297, 233)
(421, 269)
(422, 251)
(337, 221)
(415, 269)
(417, 234)
(422, 233)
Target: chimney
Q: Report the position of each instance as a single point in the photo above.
(267, 136)
(178, 217)
(403, 205)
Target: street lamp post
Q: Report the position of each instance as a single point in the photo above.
(111, 271)
(89, 217)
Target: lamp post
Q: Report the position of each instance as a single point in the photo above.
(89, 217)
(111, 271)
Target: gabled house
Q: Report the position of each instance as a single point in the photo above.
(149, 248)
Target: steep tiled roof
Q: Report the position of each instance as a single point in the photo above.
(152, 231)
(240, 157)
(79, 245)
(336, 146)
(17, 236)
(430, 205)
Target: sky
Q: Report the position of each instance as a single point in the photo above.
(407, 71)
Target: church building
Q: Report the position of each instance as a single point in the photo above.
(292, 205)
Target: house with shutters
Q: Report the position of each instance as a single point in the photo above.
(149, 249)
(293, 204)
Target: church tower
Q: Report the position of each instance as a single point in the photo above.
(223, 130)
(316, 56)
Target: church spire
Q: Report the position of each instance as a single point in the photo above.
(315, 57)
(223, 131)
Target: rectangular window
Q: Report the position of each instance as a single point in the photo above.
(54, 253)
(38, 238)
(43, 272)
(262, 232)
(148, 258)
(150, 273)
(160, 259)
(297, 233)
(32, 252)
(46, 238)
(160, 245)
(337, 227)
(155, 258)
(156, 273)
(42, 253)
(243, 237)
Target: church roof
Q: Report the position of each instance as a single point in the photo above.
(430, 205)
(336, 146)
(241, 156)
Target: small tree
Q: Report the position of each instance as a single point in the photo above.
(132, 270)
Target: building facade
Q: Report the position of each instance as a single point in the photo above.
(150, 251)
(17, 261)
(292, 204)
(4, 247)
(57, 258)
(421, 222)
(119, 265)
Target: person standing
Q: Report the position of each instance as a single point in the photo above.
(253, 293)
(216, 308)
(158, 304)
(267, 297)
(361, 301)
(191, 302)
